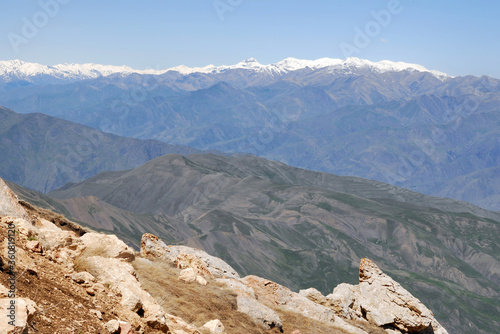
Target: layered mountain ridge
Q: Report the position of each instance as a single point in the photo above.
(396, 123)
(33, 72)
(42, 153)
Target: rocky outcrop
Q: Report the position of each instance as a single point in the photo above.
(121, 275)
(344, 300)
(106, 245)
(9, 203)
(183, 256)
(314, 295)
(248, 304)
(185, 260)
(260, 313)
(386, 303)
(271, 293)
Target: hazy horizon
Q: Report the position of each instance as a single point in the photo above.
(456, 38)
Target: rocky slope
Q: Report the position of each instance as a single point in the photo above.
(93, 283)
(302, 229)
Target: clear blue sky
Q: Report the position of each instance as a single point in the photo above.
(458, 37)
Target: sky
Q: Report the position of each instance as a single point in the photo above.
(456, 37)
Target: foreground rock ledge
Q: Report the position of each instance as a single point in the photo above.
(385, 303)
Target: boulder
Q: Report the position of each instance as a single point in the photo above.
(185, 260)
(107, 245)
(120, 276)
(260, 313)
(126, 328)
(214, 327)
(386, 303)
(90, 291)
(64, 245)
(153, 247)
(178, 325)
(274, 294)
(187, 275)
(83, 277)
(34, 246)
(112, 326)
(314, 295)
(344, 301)
(129, 300)
(25, 311)
(200, 280)
(9, 203)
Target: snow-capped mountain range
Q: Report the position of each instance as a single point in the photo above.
(20, 70)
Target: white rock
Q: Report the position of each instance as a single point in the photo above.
(129, 300)
(154, 247)
(25, 310)
(9, 203)
(313, 295)
(121, 276)
(187, 275)
(214, 326)
(386, 302)
(274, 294)
(262, 314)
(83, 277)
(200, 280)
(107, 245)
(343, 300)
(112, 326)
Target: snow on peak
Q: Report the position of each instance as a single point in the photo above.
(17, 69)
(293, 64)
(391, 66)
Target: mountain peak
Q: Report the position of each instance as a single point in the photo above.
(250, 60)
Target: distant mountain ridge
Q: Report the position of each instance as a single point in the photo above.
(33, 72)
(43, 152)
